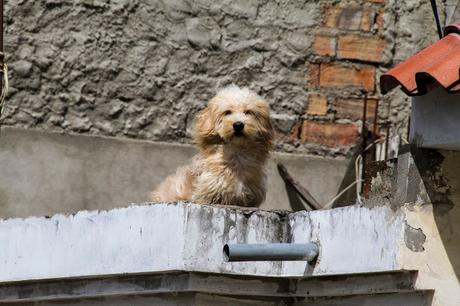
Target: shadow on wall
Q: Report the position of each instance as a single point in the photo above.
(440, 172)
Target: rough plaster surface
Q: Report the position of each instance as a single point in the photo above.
(142, 69)
(426, 184)
(190, 237)
(439, 264)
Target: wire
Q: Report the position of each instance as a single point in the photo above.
(5, 88)
(436, 17)
(356, 182)
(328, 205)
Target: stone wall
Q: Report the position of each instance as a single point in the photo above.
(142, 69)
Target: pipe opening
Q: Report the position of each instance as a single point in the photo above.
(226, 252)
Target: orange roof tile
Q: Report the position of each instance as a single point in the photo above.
(453, 28)
(439, 63)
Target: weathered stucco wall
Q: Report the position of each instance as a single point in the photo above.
(426, 183)
(142, 69)
(190, 237)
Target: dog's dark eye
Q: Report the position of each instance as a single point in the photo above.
(248, 113)
(228, 112)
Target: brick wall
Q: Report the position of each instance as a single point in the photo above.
(348, 49)
(354, 43)
(143, 69)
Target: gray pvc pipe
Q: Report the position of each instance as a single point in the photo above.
(271, 252)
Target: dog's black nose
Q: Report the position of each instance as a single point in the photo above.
(238, 126)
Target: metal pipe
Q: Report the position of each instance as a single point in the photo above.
(271, 252)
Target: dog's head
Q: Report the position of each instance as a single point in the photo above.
(235, 116)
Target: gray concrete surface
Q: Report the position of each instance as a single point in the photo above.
(199, 299)
(48, 173)
(410, 222)
(142, 69)
(434, 120)
(219, 289)
(209, 283)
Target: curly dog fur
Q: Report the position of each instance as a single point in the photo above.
(234, 136)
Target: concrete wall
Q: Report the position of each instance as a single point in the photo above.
(189, 237)
(426, 183)
(409, 222)
(206, 289)
(440, 223)
(48, 173)
(142, 69)
(434, 120)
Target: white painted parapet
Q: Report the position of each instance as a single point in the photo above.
(156, 238)
(163, 237)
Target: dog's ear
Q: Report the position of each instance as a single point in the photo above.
(205, 132)
(268, 132)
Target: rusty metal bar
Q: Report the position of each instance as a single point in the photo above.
(374, 135)
(376, 115)
(310, 202)
(364, 138)
(387, 140)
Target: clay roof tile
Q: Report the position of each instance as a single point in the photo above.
(439, 63)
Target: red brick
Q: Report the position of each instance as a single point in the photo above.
(296, 132)
(360, 47)
(380, 21)
(324, 45)
(332, 16)
(352, 108)
(317, 105)
(368, 20)
(313, 75)
(341, 76)
(329, 134)
(345, 18)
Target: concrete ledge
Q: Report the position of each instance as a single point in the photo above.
(190, 237)
(213, 284)
(414, 298)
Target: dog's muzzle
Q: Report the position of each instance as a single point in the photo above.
(238, 128)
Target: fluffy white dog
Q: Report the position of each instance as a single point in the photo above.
(234, 134)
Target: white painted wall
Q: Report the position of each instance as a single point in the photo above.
(190, 237)
(182, 236)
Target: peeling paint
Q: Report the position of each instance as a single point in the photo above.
(414, 238)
